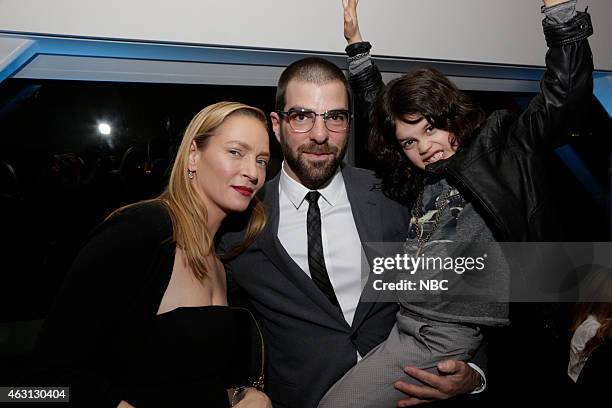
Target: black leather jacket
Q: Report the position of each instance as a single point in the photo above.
(501, 169)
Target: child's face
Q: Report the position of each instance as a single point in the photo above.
(422, 143)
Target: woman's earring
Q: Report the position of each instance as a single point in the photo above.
(190, 174)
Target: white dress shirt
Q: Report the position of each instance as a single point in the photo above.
(339, 236)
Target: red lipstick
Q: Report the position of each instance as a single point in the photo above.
(245, 191)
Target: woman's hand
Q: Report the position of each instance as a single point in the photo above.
(351, 25)
(254, 399)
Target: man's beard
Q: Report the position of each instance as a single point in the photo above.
(313, 174)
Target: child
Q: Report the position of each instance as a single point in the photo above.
(467, 179)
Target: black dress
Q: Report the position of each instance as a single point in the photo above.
(189, 359)
(104, 339)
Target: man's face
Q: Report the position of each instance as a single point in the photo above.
(312, 157)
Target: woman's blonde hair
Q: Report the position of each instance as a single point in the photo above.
(187, 210)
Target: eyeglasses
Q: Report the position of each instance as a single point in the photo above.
(303, 120)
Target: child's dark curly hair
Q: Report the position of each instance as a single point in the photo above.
(427, 93)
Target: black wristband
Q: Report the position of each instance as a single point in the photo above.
(358, 48)
(577, 29)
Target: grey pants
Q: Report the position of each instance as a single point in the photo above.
(414, 341)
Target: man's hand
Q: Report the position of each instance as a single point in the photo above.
(254, 399)
(351, 25)
(456, 378)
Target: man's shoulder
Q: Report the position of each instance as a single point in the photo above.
(359, 173)
(363, 180)
(269, 190)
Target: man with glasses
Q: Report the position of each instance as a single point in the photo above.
(303, 273)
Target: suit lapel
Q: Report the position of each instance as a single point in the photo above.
(368, 220)
(364, 206)
(270, 244)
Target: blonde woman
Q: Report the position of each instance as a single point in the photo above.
(142, 318)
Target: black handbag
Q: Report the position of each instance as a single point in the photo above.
(249, 354)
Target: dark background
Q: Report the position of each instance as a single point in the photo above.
(59, 177)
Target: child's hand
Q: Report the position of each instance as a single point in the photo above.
(351, 25)
(549, 3)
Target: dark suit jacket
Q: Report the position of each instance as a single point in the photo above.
(309, 344)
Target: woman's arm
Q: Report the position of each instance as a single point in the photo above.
(87, 324)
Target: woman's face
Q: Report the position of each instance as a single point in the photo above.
(231, 167)
(422, 143)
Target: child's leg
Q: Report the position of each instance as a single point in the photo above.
(369, 381)
(413, 342)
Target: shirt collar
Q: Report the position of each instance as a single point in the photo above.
(296, 192)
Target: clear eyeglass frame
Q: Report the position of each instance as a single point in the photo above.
(292, 116)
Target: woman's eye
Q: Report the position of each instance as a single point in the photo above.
(234, 152)
(429, 129)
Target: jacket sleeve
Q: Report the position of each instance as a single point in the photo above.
(480, 358)
(87, 317)
(366, 83)
(566, 87)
